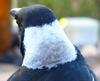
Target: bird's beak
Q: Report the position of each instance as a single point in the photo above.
(14, 11)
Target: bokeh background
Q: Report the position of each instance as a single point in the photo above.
(80, 19)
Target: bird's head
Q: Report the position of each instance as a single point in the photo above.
(35, 15)
(32, 16)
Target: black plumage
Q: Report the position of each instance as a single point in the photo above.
(76, 70)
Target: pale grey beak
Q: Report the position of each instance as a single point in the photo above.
(14, 11)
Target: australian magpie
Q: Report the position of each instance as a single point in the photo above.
(48, 53)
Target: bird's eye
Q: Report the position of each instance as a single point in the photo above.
(17, 22)
(16, 17)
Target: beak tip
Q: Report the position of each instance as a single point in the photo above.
(14, 11)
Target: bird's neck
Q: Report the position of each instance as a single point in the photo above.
(47, 46)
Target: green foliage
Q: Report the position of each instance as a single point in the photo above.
(66, 8)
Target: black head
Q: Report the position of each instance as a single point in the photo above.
(35, 15)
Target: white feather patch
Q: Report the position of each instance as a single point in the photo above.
(47, 46)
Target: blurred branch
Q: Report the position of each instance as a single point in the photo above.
(98, 14)
(98, 8)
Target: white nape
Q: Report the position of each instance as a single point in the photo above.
(47, 46)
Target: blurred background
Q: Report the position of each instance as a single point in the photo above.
(80, 19)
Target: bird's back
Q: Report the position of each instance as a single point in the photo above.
(71, 71)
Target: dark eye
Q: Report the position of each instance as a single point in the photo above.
(16, 17)
(18, 22)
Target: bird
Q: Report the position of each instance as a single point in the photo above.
(48, 54)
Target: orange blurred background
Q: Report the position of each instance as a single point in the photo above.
(5, 26)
